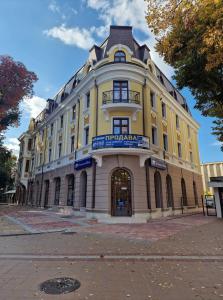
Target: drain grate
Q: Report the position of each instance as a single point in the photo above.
(58, 286)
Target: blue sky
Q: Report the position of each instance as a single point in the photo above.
(52, 39)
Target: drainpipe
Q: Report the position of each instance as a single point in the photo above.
(148, 184)
(44, 156)
(94, 162)
(96, 125)
(143, 108)
(78, 122)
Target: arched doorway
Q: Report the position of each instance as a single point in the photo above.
(169, 191)
(195, 193)
(121, 203)
(83, 186)
(158, 190)
(184, 192)
(70, 190)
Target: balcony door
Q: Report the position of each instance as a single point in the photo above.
(120, 90)
(121, 205)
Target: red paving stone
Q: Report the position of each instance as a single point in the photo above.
(152, 231)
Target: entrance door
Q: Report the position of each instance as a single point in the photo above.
(121, 193)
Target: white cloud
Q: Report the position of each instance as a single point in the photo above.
(54, 7)
(111, 12)
(12, 144)
(132, 13)
(33, 106)
(75, 36)
(218, 144)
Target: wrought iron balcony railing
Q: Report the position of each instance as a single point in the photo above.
(121, 96)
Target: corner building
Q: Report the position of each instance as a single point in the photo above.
(118, 140)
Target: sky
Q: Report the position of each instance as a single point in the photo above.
(53, 37)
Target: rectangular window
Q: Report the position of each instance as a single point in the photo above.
(59, 149)
(40, 158)
(191, 157)
(177, 122)
(165, 142)
(120, 91)
(164, 110)
(29, 144)
(153, 99)
(32, 164)
(88, 100)
(72, 144)
(120, 126)
(188, 131)
(61, 122)
(86, 135)
(179, 150)
(27, 166)
(51, 129)
(154, 135)
(50, 152)
(74, 112)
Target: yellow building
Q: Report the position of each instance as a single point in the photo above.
(117, 140)
(208, 171)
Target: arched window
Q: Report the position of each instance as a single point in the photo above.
(195, 193)
(169, 191)
(120, 56)
(70, 190)
(57, 191)
(158, 190)
(184, 192)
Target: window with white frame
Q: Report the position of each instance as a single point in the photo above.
(153, 99)
(179, 149)
(61, 121)
(165, 142)
(88, 98)
(86, 135)
(191, 157)
(177, 122)
(188, 131)
(49, 154)
(59, 150)
(154, 135)
(72, 144)
(163, 110)
(74, 112)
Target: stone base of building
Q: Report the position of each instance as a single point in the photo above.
(120, 191)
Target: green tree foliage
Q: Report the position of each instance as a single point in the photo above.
(7, 166)
(190, 38)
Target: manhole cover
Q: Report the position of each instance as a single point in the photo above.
(58, 286)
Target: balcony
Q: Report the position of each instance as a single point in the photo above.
(121, 100)
(126, 144)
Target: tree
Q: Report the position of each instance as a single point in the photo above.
(16, 82)
(190, 38)
(7, 166)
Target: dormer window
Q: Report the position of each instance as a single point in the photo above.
(120, 56)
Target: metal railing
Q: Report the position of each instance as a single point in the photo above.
(121, 96)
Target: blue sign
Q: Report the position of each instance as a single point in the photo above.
(120, 141)
(157, 163)
(83, 163)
